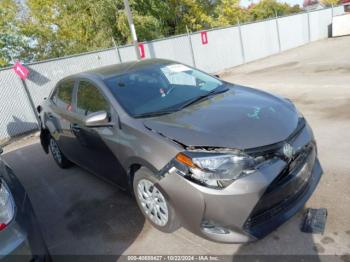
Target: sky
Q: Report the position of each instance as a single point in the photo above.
(245, 3)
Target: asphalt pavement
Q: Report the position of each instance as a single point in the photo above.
(81, 214)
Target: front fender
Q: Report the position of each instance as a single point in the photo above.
(139, 161)
(45, 139)
(48, 129)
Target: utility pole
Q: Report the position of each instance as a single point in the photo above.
(132, 28)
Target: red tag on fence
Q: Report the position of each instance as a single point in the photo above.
(21, 70)
(204, 37)
(142, 50)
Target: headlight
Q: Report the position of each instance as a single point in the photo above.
(7, 207)
(217, 170)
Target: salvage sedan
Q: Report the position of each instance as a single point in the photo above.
(20, 236)
(227, 162)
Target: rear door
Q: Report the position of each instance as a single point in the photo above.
(94, 153)
(60, 115)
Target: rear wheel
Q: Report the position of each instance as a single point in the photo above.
(61, 160)
(153, 202)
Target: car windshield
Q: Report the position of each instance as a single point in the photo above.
(161, 88)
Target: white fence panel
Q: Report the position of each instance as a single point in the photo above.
(341, 25)
(320, 24)
(44, 75)
(338, 10)
(294, 31)
(127, 53)
(222, 51)
(260, 39)
(15, 112)
(175, 48)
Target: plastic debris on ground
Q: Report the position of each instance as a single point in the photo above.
(314, 221)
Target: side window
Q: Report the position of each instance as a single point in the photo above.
(63, 95)
(90, 99)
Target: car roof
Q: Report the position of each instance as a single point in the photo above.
(112, 70)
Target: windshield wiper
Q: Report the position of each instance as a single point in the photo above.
(156, 113)
(202, 97)
(215, 91)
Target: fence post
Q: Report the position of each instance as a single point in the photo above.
(332, 11)
(241, 41)
(191, 47)
(278, 34)
(117, 49)
(308, 25)
(31, 102)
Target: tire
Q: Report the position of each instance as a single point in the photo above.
(60, 159)
(142, 176)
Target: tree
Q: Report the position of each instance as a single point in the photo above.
(175, 15)
(59, 28)
(11, 43)
(229, 12)
(269, 8)
(148, 27)
(192, 14)
(330, 2)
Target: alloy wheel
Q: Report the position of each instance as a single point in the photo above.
(152, 202)
(55, 150)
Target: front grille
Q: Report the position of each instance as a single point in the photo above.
(271, 150)
(274, 211)
(293, 166)
(286, 189)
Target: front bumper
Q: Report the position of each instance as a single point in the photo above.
(251, 207)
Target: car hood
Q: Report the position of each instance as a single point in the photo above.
(241, 118)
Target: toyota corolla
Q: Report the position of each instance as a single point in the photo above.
(227, 162)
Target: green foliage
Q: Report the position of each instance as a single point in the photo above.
(270, 8)
(175, 15)
(191, 14)
(147, 27)
(330, 2)
(49, 28)
(11, 42)
(67, 27)
(229, 12)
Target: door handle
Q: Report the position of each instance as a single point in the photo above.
(50, 116)
(75, 128)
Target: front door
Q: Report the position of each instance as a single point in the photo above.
(94, 153)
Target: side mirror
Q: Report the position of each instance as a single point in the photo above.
(98, 119)
(1, 150)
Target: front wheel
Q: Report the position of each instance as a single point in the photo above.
(153, 202)
(61, 160)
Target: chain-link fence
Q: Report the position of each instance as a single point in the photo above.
(226, 48)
